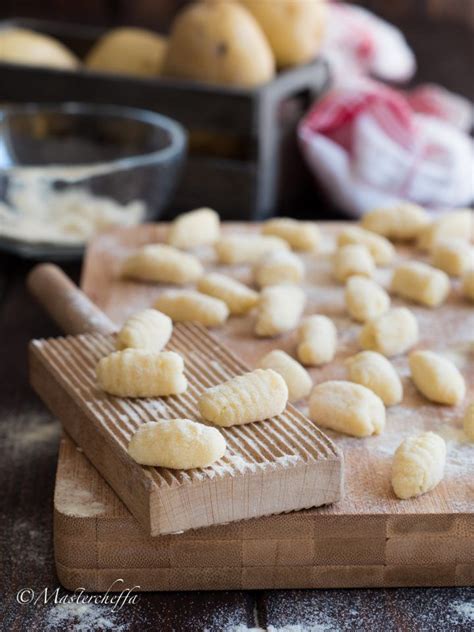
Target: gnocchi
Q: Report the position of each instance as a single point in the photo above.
(437, 378)
(467, 284)
(149, 330)
(279, 267)
(458, 224)
(279, 310)
(365, 299)
(468, 422)
(239, 249)
(418, 465)
(347, 407)
(374, 371)
(453, 256)
(303, 236)
(392, 333)
(380, 248)
(317, 340)
(353, 259)
(403, 222)
(184, 305)
(420, 283)
(176, 443)
(238, 297)
(196, 228)
(254, 396)
(161, 263)
(140, 373)
(296, 377)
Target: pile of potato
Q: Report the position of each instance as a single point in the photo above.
(224, 42)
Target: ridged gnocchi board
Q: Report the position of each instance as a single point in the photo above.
(282, 464)
(367, 539)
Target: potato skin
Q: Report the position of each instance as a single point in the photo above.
(294, 28)
(218, 43)
(22, 46)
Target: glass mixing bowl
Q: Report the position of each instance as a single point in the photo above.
(68, 171)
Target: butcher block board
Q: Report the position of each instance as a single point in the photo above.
(369, 538)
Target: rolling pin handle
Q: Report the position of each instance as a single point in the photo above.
(67, 305)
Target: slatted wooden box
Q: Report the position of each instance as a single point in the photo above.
(244, 159)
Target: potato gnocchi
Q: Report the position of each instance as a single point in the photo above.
(365, 299)
(279, 267)
(254, 396)
(400, 223)
(279, 310)
(418, 465)
(347, 407)
(437, 378)
(304, 236)
(186, 305)
(351, 260)
(200, 227)
(317, 340)
(458, 224)
(240, 249)
(149, 330)
(380, 248)
(238, 297)
(420, 283)
(392, 333)
(297, 378)
(161, 263)
(374, 371)
(467, 284)
(176, 443)
(453, 256)
(140, 373)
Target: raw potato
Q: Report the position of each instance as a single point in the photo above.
(347, 407)
(437, 378)
(238, 249)
(140, 373)
(403, 222)
(186, 305)
(380, 248)
(351, 260)
(457, 224)
(279, 267)
(218, 43)
(149, 330)
(162, 264)
(453, 256)
(365, 299)
(22, 46)
(129, 51)
(421, 283)
(418, 465)
(254, 396)
(374, 371)
(304, 236)
(200, 227)
(238, 297)
(279, 310)
(294, 28)
(393, 333)
(296, 377)
(180, 444)
(317, 338)
(468, 422)
(467, 284)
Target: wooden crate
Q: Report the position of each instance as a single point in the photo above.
(244, 159)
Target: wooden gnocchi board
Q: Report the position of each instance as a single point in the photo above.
(369, 538)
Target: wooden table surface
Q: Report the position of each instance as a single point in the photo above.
(29, 443)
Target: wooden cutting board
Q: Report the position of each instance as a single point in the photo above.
(370, 538)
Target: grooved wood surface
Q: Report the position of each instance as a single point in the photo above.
(369, 538)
